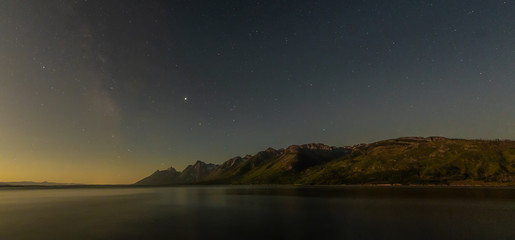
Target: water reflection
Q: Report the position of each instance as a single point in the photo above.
(257, 212)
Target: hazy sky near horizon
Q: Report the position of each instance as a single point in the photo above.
(110, 91)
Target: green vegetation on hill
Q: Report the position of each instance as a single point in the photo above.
(420, 161)
(410, 160)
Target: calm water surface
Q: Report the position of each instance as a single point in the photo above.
(262, 212)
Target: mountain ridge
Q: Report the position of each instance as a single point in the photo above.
(404, 160)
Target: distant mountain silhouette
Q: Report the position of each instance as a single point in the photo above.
(30, 183)
(407, 160)
(191, 174)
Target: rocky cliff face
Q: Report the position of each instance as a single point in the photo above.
(196, 172)
(311, 146)
(308, 155)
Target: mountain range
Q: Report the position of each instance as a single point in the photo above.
(406, 160)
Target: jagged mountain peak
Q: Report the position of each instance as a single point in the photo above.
(310, 146)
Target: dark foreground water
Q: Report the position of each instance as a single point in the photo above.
(262, 212)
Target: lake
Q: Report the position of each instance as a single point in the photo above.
(258, 212)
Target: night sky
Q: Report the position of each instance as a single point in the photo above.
(108, 92)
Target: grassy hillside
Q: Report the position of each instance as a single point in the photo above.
(420, 161)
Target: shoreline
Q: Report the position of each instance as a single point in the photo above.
(372, 185)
